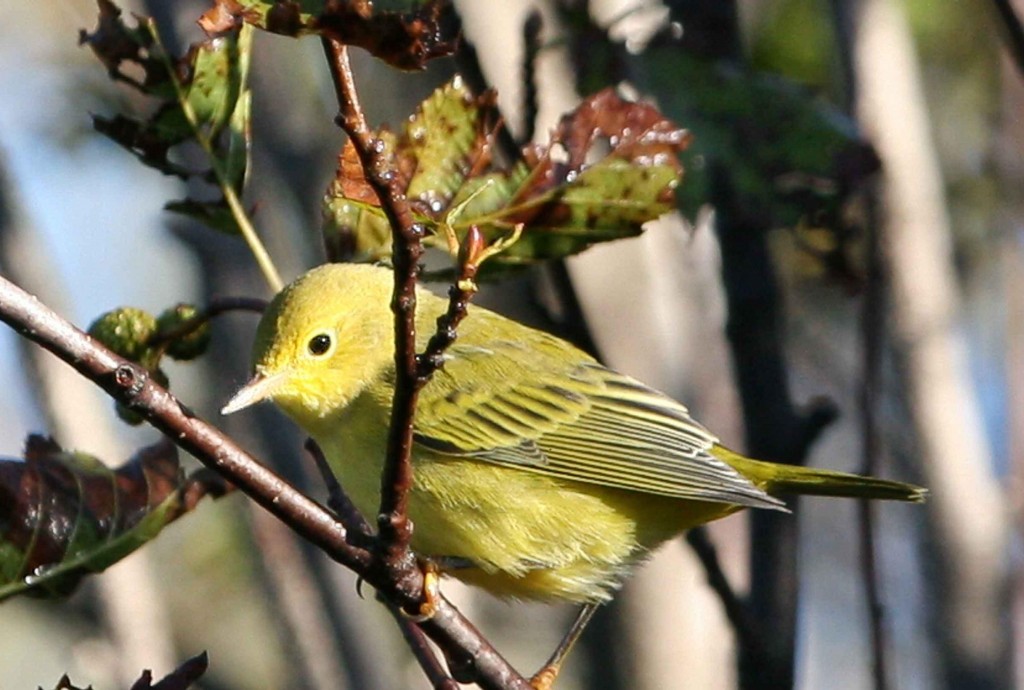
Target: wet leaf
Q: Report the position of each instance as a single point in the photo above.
(64, 515)
(771, 151)
(610, 167)
(201, 98)
(407, 40)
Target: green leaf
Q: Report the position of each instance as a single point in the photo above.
(440, 143)
(219, 72)
(64, 515)
(202, 98)
(610, 167)
(355, 230)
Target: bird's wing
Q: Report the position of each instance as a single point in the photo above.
(520, 405)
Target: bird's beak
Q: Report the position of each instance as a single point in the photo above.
(259, 388)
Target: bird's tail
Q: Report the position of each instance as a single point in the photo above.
(794, 479)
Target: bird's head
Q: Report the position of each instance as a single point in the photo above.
(320, 341)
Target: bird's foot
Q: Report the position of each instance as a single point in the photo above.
(431, 592)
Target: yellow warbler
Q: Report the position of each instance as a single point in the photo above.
(539, 473)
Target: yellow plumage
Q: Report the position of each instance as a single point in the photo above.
(539, 473)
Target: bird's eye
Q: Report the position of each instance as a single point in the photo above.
(319, 344)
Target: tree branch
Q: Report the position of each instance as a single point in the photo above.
(749, 636)
(776, 429)
(131, 385)
(459, 294)
(872, 333)
(394, 526)
(417, 641)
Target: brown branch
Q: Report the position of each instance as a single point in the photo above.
(358, 527)
(459, 294)
(394, 526)
(395, 562)
(359, 531)
(749, 636)
(417, 641)
(873, 336)
(131, 385)
(872, 331)
(776, 429)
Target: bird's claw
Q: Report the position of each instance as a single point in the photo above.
(431, 593)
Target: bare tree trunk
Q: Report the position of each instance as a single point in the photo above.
(967, 509)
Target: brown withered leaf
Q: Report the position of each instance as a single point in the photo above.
(64, 515)
(351, 179)
(114, 43)
(635, 131)
(225, 16)
(406, 40)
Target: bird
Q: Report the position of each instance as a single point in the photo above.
(539, 473)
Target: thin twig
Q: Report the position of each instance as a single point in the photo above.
(227, 188)
(417, 641)
(748, 634)
(412, 372)
(360, 532)
(394, 526)
(216, 307)
(872, 339)
(459, 294)
(844, 21)
(131, 385)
